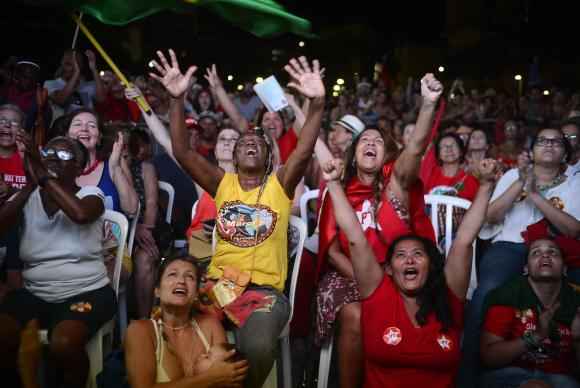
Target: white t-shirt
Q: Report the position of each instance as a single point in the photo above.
(83, 96)
(61, 258)
(573, 169)
(524, 213)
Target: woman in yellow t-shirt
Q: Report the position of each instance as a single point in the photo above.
(253, 206)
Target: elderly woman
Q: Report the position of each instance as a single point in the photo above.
(164, 350)
(66, 285)
(112, 175)
(253, 209)
(383, 189)
(412, 305)
(537, 191)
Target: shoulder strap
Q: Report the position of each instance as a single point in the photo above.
(200, 334)
(158, 344)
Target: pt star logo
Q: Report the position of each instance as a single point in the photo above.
(366, 216)
(444, 342)
(392, 336)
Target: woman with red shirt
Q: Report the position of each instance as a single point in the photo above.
(412, 306)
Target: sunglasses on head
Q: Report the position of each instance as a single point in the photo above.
(60, 154)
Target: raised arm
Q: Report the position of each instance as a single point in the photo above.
(59, 97)
(207, 175)
(563, 221)
(100, 93)
(11, 210)
(406, 170)
(504, 202)
(307, 81)
(367, 271)
(156, 127)
(217, 88)
(121, 176)
(458, 264)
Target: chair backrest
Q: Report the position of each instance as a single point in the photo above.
(304, 199)
(132, 229)
(120, 220)
(449, 203)
(168, 188)
(297, 233)
(194, 209)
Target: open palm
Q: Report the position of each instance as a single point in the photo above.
(170, 76)
(306, 80)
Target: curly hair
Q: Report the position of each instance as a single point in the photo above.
(433, 296)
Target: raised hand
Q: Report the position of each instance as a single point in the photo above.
(212, 77)
(431, 88)
(488, 171)
(132, 92)
(92, 60)
(524, 165)
(543, 326)
(176, 83)
(306, 80)
(115, 158)
(332, 170)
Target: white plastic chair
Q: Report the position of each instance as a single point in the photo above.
(296, 249)
(449, 203)
(102, 342)
(122, 294)
(168, 188)
(311, 242)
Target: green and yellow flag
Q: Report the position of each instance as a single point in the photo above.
(263, 18)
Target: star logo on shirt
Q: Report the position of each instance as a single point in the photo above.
(392, 336)
(444, 342)
(366, 216)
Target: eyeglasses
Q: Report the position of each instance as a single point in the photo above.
(10, 123)
(571, 137)
(61, 154)
(546, 141)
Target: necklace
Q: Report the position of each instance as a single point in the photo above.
(555, 182)
(92, 167)
(175, 328)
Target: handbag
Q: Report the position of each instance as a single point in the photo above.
(230, 286)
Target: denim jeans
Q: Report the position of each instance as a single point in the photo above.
(501, 262)
(257, 340)
(513, 377)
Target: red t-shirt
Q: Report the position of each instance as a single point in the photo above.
(286, 143)
(13, 170)
(398, 354)
(204, 211)
(113, 109)
(512, 310)
(461, 185)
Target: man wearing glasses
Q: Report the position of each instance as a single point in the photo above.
(571, 129)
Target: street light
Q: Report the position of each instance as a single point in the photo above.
(230, 77)
(441, 69)
(340, 81)
(259, 79)
(301, 43)
(518, 77)
(336, 88)
(546, 92)
(240, 87)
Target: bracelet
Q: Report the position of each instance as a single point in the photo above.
(531, 341)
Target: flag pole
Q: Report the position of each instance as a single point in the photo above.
(140, 100)
(76, 35)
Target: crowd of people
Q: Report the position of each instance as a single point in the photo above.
(378, 280)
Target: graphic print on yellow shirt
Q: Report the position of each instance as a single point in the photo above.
(245, 225)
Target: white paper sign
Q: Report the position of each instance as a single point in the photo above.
(271, 94)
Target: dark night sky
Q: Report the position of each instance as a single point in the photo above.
(477, 39)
